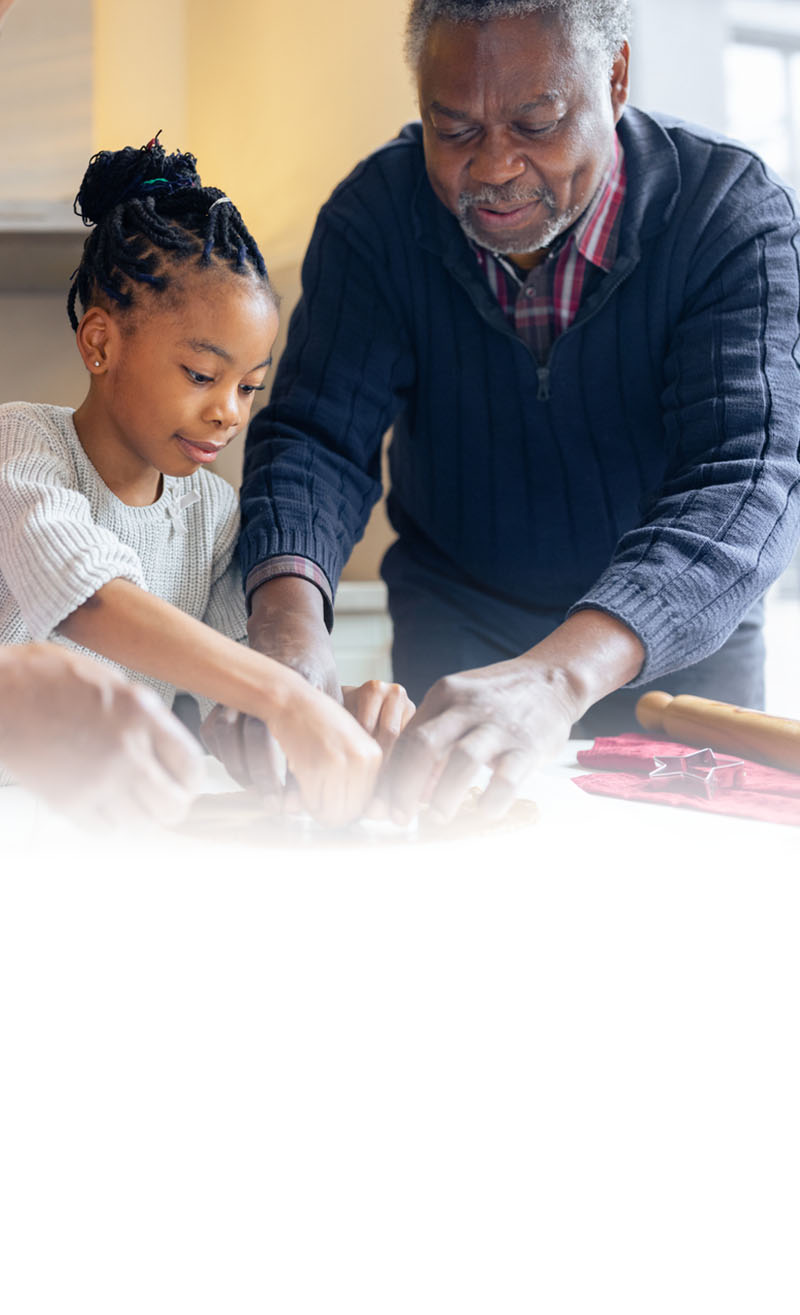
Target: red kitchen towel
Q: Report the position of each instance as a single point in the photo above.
(768, 793)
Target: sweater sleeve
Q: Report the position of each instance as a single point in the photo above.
(54, 557)
(312, 466)
(726, 518)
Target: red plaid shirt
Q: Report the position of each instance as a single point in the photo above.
(543, 303)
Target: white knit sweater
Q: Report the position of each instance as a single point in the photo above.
(64, 534)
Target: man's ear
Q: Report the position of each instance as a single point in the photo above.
(620, 78)
(96, 335)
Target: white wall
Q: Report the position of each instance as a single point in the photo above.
(677, 63)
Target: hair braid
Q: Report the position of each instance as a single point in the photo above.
(148, 211)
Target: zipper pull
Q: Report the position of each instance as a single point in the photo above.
(543, 375)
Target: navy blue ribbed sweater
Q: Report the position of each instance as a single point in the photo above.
(652, 470)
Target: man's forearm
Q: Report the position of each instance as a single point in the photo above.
(590, 655)
(287, 622)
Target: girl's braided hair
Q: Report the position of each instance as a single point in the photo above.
(145, 205)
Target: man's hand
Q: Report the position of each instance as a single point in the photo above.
(89, 742)
(287, 623)
(505, 717)
(510, 717)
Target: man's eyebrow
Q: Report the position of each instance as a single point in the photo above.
(546, 98)
(448, 113)
(200, 345)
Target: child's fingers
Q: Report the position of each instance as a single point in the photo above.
(396, 712)
(365, 703)
(343, 788)
(381, 708)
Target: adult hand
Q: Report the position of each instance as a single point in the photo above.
(287, 623)
(510, 717)
(506, 717)
(90, 743)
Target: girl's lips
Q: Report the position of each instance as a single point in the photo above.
(201, 455)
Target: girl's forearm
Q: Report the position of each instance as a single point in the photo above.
(147, 634)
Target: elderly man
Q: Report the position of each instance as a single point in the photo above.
(581, 322)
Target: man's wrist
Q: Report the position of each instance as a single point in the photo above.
(588, 656)
(291, 567)
(287, 624)
(285, 602)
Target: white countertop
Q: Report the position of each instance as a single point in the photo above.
(556, 1071)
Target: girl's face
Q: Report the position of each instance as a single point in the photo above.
(176, 383)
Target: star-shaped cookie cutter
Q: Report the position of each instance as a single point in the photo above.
(701, 773)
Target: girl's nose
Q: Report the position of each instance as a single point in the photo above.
(223, 410)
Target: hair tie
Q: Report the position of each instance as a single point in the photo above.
(220, 201)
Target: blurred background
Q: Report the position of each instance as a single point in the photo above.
(277, 112)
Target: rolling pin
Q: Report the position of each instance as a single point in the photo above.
(722, 726)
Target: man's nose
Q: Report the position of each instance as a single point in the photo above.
(496, 159)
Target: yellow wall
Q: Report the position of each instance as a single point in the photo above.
(277, 99)
(139, 73)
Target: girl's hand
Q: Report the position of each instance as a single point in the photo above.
(382, 709)
(334, 762)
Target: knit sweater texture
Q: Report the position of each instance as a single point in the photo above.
(64, 534)
(650, 471)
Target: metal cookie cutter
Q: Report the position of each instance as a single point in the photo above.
(699, 773)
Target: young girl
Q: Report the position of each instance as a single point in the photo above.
(114, 535)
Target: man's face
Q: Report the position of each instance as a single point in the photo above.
(518, 126)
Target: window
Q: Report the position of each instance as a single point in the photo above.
(762, 81)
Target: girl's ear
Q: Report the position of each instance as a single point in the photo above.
(95, 337)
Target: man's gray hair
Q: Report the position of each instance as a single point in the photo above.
(603, 23)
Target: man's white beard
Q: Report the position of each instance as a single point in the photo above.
(523, 244)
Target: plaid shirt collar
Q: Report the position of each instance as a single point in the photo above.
(597, 231)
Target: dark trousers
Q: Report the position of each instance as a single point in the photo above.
(442, 625)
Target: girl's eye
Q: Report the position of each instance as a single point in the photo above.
(198, 378)
(247, 389)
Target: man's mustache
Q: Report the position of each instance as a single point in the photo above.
(506, 195)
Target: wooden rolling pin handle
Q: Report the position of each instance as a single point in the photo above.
(709, 724)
